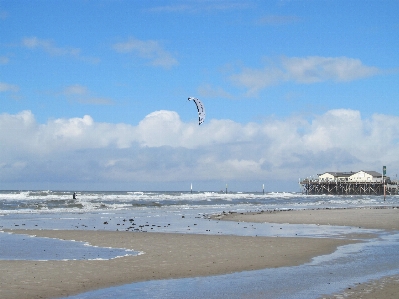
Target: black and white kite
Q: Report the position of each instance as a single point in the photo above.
(200, 108)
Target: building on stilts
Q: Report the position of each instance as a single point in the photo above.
(350, 183)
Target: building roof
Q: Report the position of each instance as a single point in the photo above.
(339, 174)
(348, 174)
(371, 172)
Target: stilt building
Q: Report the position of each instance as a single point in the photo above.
(349, 183)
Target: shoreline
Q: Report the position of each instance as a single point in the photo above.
(173, 255)
(165, 256)
(386, 287)
(385, 218)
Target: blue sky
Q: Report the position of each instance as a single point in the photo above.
(93, 94)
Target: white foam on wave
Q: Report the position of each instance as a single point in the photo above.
(56, 202)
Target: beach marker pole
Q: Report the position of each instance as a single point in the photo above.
(384, 172)
(384, 189)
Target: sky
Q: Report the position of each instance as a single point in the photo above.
(93, 94)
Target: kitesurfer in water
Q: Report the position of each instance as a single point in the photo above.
(74, 195)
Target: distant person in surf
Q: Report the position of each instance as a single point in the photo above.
(74, 195)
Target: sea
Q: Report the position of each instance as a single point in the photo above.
(190, 212)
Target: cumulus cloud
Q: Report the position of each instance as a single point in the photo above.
(20, 133)
(305, 70)
(147, 49)
(163, 148)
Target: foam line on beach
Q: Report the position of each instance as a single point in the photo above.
(34, 248)
(167, 256)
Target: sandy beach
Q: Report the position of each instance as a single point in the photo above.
(166, 256)
(373, 218)
(187, 255)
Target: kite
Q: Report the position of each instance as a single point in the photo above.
(200, 108)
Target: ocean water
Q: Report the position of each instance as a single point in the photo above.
(187, 212)
(26, 247)
(62, 201)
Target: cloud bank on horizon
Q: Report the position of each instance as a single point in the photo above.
(163, 149)
(94, 95)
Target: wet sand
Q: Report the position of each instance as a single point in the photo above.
(165, 256)
(372, 218)
(184, 255)
(385, 218)
(386, 288)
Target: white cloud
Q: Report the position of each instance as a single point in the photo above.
(3, 14)
(316, 69)
(210, 91)
(75, 89)
(6, 87)
(201, 6)
(332, 128)
(4, 59)
(163, 148)
(83, 95)
(149, 49)
(305, 70)
(49, 47)
(160, 128)
(20, 133)
(96, 101)
(278, 20)
(254, 80)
